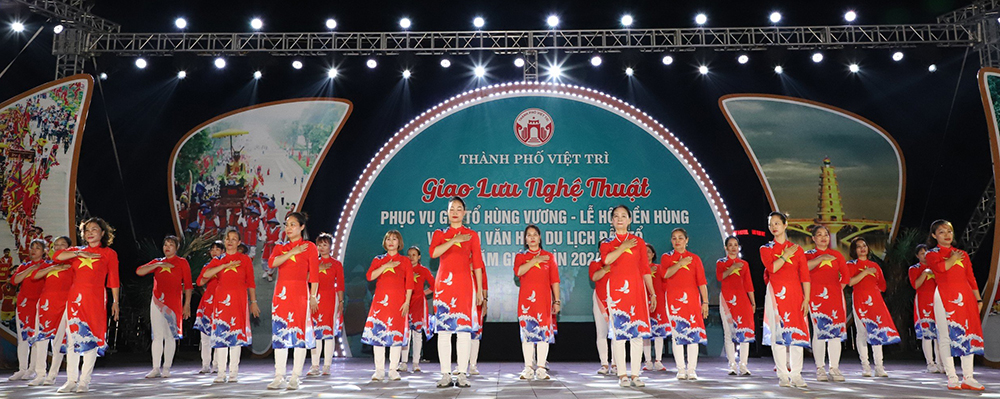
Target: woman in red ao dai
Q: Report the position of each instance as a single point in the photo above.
(687, 300)
(737, 305)
(537, 302)
(328, 322)
(388, 319)
(203, 316)
(171, 300)
(630, 295)
(27, 306)
(828, 275)
(787, 301)
(875, 325)
(923, 282)
(419, 322)
(57, 277)
(659, 318)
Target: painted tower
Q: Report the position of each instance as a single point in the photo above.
(830, 207)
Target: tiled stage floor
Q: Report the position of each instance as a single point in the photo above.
(350, 379)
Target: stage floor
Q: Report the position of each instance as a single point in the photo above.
(350, 379)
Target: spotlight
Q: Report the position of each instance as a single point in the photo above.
(743, 59)
(180, 23)
(371, 63)
(817, 57)
(479, 71)
(256, 23)
(257, 75)
(627, 20)
(181, 74)
(17, 26)
(854, 68)
(629, 71)
(220, 63)
(897, 56)
(775, 17)
(932, 68)
(519, 62)
(406, 74)
(850, 16)
(140, 63)
(297, 64)
(703, 70)
(405, 23)
(104, 76)
(332, 73)
(552, 21)
(555, 71)
(478, 22)
(595, 60)
(57, 29)
(331, 24)
(667, 60)
(779, 70)
(445, 63)
(700, 19)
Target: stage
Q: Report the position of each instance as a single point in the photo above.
(350, 379)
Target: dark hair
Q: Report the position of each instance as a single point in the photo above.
(681, 230)
(726, 241)
(414, 248)
(243, 248)
(232, 229)
(459, 199)
(174, 239)
(651, 248)
(107, 232)
(38, 241)
(69, 243)
(218, 244)
(623, 207)
(816, 228)
(931, 241)
(6, 250)
(921, 246)
(325, 237)
(302, 218)
(525, 235)
(854, 246)
(784, 218)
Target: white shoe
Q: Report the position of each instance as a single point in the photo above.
(277, 383)
(636, 382)
(970, 383)
(394, 375)
(205, 370)
(604, 370)
(866, 370)
(954, 384)
(220, 379)
(932, 368)
(647, 366)
(402, 367)
(658, 366)
(613, 370)
(326, 370)
(416, 367)
(49, 380)
(624, 381)
(314, 370)
(69, 386)
(82, 387)
(293, 383)
(682, 374)
(880, 372)
(541, 374)
(527, 373)
(153, 374)
(821, 374)
(17, 375)
(462, 381)
(378, 377)
(784, 382)
(744, 370)
(233, 377)
(445, 381)
(836, 375)
(799, 382)
(692, 376)
(37, 381)
(165, 373)
(28, 375)
(473, 370)
(733, 370)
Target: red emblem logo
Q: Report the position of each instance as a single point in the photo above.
(533, 127)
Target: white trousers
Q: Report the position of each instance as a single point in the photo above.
(164, 344)
(823, 346)
(206, 352)
(394, 352)
(233, 354)
(324, 347)
(417, 343)
(73, 371)
(25, 362)
(944, 343)
(727, 339)
(931, 348)
(635, 355)
(861, 340)
(41, 348)
(281, 362)
(692, 357)
(463, 349)
(529, 351)
(601, 323)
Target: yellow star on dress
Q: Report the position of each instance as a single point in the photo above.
(53, 273)
(390, 269)
(323, 271)
(87, 262)
(167, 269)
(959, 262)
(232, 268)
(292, 258)
(827, 263)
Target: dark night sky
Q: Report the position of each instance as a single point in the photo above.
(150, 110)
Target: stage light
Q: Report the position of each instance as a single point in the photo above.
(297, 64)
(256, 23)
(817, 57)
(181, 74)
(667, 60)
(775, 17)
(140, 63)
(332, 73)
(478, 22)
(854, 68)
(595, 60)
(627, 20)
(220, 63)
(850, 16)
(700, 19)
(897, 56)
(406, 74)
(104, 76)
(552, 21)
(57, 29)
(479, 71)
(371, 63)
(180, 23)
(519, 62)
(405, 23)
(743, 59)
(257, 75)
(17, 26)
(445, 63)
(554, 71)
(932, 68)
(703, 70)
(779, 70)
(629, 71)
(331, 24)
